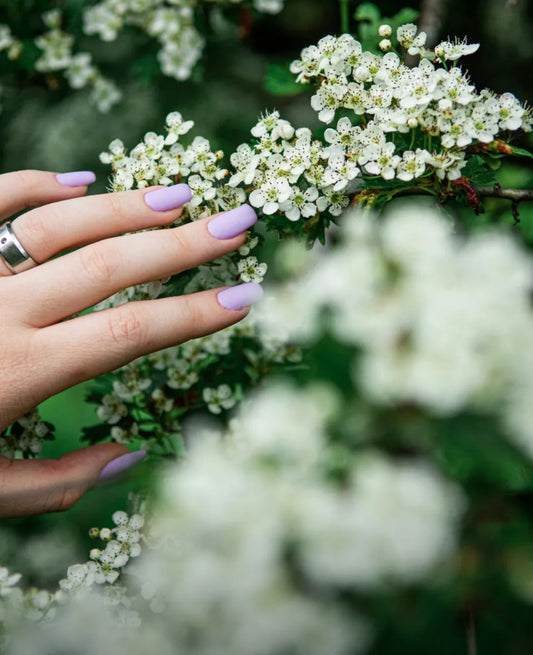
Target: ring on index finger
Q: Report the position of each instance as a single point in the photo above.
(12, 251)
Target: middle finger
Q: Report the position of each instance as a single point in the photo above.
(78, 280)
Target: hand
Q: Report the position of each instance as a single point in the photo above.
(43, 354)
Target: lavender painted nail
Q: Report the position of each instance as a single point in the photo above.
(233, 222)
(168, 197)
(119, 464)
(240, 296)
(76, 178)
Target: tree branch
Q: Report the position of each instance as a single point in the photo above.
(515, 195)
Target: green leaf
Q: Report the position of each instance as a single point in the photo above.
(279, 81)
(405, 15)
(521, 152)
(96, 433)
(368, 11)
(478, 170)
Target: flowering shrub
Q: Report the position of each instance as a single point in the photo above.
(171, 23)
(305, 516)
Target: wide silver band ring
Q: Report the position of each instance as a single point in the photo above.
(12, 251)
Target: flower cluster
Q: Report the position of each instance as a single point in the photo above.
(215, 575)
(25, 437)
(397, 127)
(57, 55)
(441, 323)
(435, 107)
(170, 22)
(121, 544)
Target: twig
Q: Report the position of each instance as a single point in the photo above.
(515, 195)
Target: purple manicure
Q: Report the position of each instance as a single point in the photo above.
(240, 296)
(168, 197)
(229, 224)
(76, 178)
(119, 464)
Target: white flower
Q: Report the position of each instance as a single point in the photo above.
(481, 126)
(181, 375)
(273, 126)
(510, 112)
(80, 70)
(271, 194)
(301, 203)
(326, 100)
(409, 39)
(219, 398)
(412, 165)
(452, 51)
(176, 127)
(380, 160)
(340, 169)
(250, 270)
(112, 409)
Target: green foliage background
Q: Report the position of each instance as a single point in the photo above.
(244, 71)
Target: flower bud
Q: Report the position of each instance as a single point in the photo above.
(361, 74)
(385, 30)
(385, 45)
(439, 52)
(94, 533)
(105, 534)
(412, 122)
(94, 553)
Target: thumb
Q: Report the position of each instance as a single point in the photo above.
(37, 486)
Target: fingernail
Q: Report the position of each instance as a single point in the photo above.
(168, 197)
(116, 466)
(240, 296)
(76, 178)
(229, 224)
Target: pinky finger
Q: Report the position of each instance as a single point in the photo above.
(91, 345)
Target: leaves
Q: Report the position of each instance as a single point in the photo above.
(479, 172)
(279, 81)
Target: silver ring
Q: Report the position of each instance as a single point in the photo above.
(12, 251)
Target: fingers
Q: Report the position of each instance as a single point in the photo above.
(91, 345)
(78, 280)
(22, 189)
(59, 226)
(50, 485)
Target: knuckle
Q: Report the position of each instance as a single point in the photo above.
(180, 243)
(126, 327)
(117, 206)
(37, 228)
(193, 313)
(98, 262)
(28, 184)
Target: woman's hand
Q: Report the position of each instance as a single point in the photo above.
(42, 354)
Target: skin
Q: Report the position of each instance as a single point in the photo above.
(43, 351)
